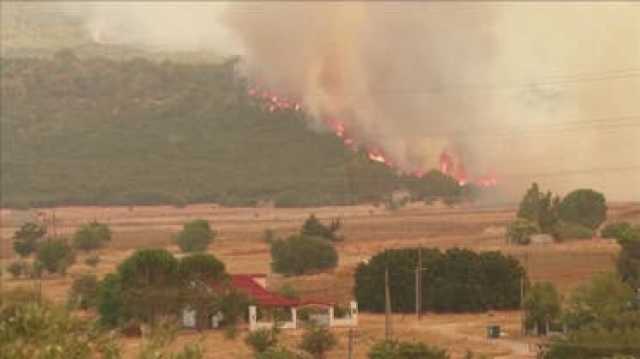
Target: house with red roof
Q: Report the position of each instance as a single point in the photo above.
(254, 287)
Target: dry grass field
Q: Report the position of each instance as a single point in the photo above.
(367, 229)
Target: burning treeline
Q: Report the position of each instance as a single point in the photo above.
(515, 90)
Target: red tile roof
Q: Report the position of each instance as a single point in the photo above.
(263, 297)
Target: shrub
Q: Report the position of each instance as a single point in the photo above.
(25, 240)
(17, 269)
(595, 343)
(317, 341)
(91, 236)
(109, 301)
(278, 353)
(261, 339)
(520, 231)
(55, 255)
(628, 262)
(585, 207)
(92, 261)
(616, 230)
(84, 292)
(298, 254)
(456, 280)
(563, 231)
(195, 236)
(405, 350)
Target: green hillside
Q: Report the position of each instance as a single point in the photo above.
(96, 131)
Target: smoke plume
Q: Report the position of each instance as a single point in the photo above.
(529, 91)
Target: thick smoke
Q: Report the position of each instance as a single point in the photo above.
(529, 91)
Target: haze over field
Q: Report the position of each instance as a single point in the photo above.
(526, 91)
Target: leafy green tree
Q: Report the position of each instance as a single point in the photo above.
(312, 227)
(150, 284)
(539, 208)
(91, 236)
(405, 350)
(26, 239)
(84, 292)
(595, 343)
(317, 341)
(298, 255)
(197, 273)
(195, 236)
(520, 231)
(55, 255)
(604, 302)
(585, 207)
(202, 267)
(454, 281)
(542, 305)
(36, 329)
(628, 262)
(110, 302)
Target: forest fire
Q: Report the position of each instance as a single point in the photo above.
(449, 164)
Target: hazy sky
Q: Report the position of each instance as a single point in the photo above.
(528, 90)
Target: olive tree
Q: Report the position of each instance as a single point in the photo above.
(195, 236)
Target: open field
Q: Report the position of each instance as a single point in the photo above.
(367, 229)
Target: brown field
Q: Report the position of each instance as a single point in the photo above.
(367, 229)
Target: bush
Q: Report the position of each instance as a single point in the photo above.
(520, 231)
(563, 231)
(109, 301)
(457, 280)
(298, 255)
(595, 343)
(91, 236)
(616, 230)
(25, 240)
(84, 292)
(261, 339)
(92, 261)
(628, 262)
(278, 353)
(17, 269)
(55, 255)
(585, 207)
(405, 350)
(317, 341)
(195, 236)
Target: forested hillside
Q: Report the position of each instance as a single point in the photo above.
(97, 131)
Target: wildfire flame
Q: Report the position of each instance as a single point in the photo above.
(449, 164)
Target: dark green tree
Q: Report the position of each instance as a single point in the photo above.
(91, 236)
(26, 239)
(198, 272)
(312, 227)
(195, 236)
(55, 255)
(585, 207)
(298, 255)
(617, 230)
(150, 284)
(202, 267)
(539, 208)
(110, 302)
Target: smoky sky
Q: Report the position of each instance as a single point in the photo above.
(544, 91)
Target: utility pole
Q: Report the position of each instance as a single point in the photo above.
(419, 285)
(350, 343)
(387, 306)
